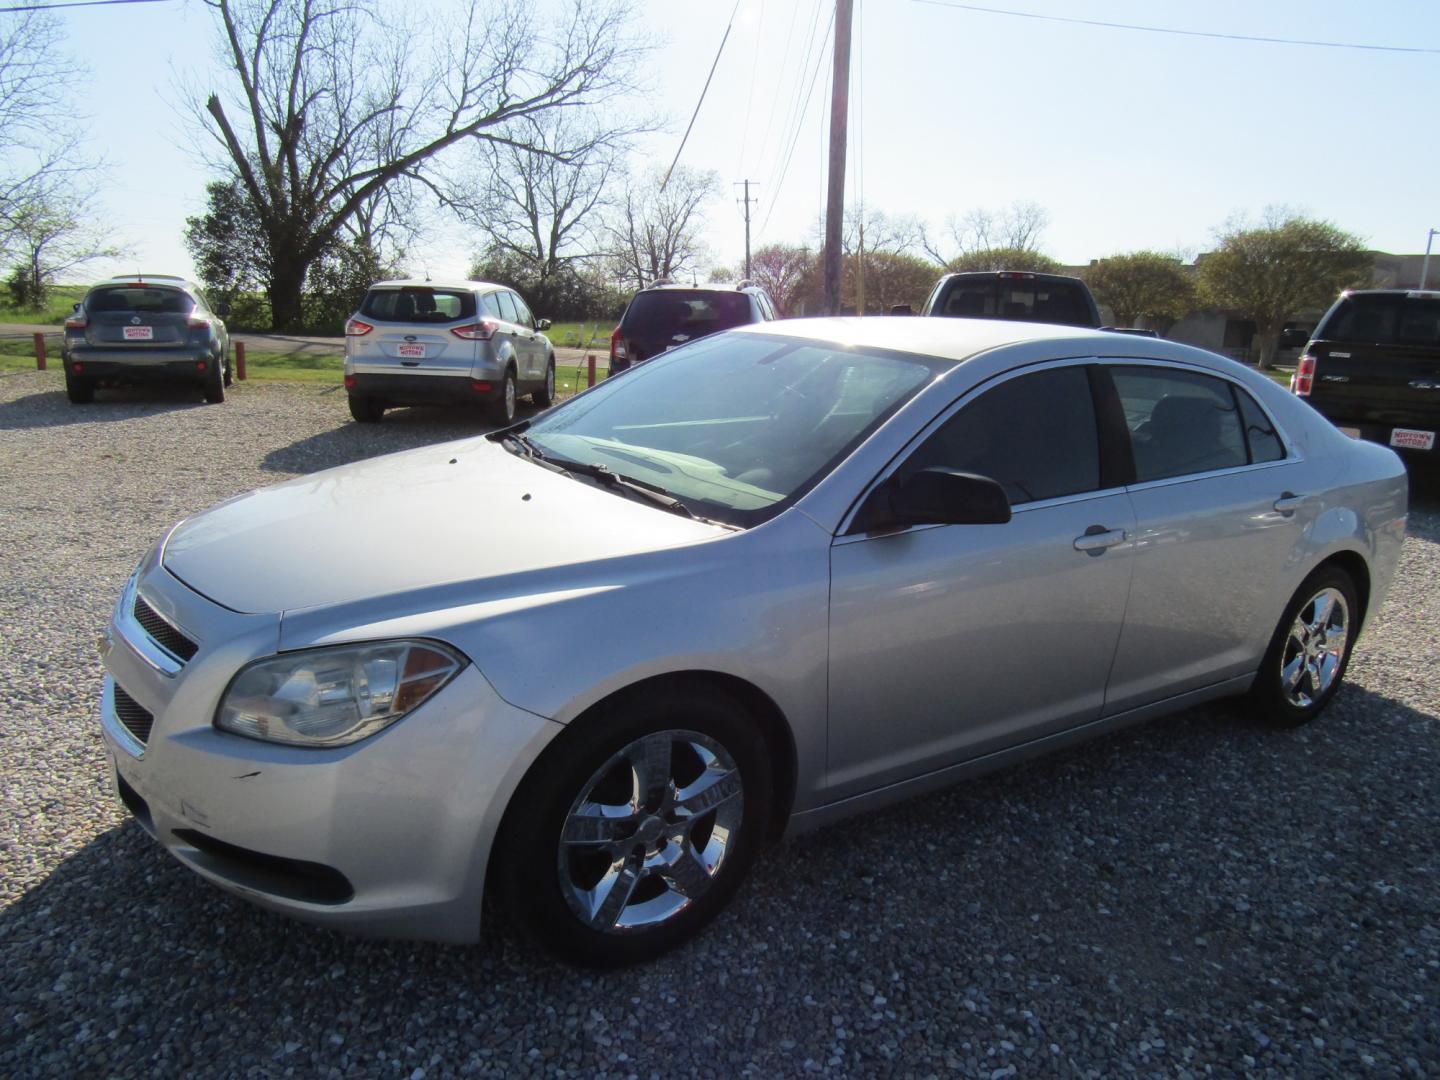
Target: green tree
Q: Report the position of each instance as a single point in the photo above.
(1286, 265)
(1004, 258)
(1144, 284)
(228, 244)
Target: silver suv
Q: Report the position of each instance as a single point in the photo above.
(446, 342)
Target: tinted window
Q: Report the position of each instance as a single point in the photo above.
(491, 304)
(1035, 434)
(1385, 320)
(694, 313)
(1020, 298)
(419, 304)
(522, 313)
(507, 307)
(139, 298)
(1260, 433)
(1180, 422)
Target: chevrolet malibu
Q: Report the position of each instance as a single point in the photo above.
(596, 660)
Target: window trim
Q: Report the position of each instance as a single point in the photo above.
(1291, 454)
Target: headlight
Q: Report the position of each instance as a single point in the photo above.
(334, 697)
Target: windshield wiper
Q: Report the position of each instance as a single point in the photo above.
(526, 445)
(611, 479)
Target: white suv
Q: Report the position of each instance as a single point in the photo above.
(442, 342)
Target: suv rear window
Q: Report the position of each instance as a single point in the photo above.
(696, 312)
(419, 304)
(1384, 320)
(139, 298)
(1026, 300)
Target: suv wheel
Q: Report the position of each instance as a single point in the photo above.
(229, 370)
(80, 390)
(545, 398)
(366, 410)
(213, 383)
(502, 409)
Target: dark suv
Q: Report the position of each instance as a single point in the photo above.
(663, 315)
(1014, 294)
(146, 327)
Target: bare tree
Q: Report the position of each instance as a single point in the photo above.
(900, 234)
(53, 232)
(655, 231)
(339, 106)
(1015, 228)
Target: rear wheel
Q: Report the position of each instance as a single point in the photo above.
(366, 410)
(80, 390)
(545, 398)
(1306, 661)
(637, 828)
(213, 383)
(502, 409)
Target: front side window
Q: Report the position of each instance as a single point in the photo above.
(1180, 422)
(735, 426)
(522, 313)
(1035, 435)
(507, 307)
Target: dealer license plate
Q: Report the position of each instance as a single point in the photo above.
(1410, 439)
(412, 350)
(139, 333)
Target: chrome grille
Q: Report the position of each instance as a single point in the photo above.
(133, 715)
(164, 635)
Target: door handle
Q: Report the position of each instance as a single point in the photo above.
(1289, 502)
(1097, 539)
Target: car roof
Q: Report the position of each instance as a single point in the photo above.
(1010, 275)
(960, 339)
(461, 284)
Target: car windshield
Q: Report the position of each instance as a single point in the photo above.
(693, 313)
(736, 426)
(1384, 320)
(418, 304)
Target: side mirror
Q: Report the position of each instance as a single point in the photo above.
(543, 324)
(1294, 338)
(222, 309)
(75, 306)
(936, 496)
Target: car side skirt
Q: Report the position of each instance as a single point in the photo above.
(965, 770)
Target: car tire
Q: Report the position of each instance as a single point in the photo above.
(213, 383)
(80, 390)
(545, 397)
(229, 366)
(1309, 652)
(678, 865)
(366, 410)
(502, 409)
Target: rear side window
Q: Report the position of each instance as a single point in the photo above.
(419, 304)
(1260, 433)
(1022, 299)
(1180, 422)
(694, 313)
(1035, 434)
(1384, 320)
(139, 299)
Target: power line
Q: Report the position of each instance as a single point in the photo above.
(750, 97)
(1170, 30)
(74, 3)
(800, 123)
(703, 91)
(784, 135)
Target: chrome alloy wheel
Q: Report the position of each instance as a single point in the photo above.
(1315, 648)
(650, 831)
(550, 383)
(509, 398)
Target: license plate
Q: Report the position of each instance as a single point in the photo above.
(1410, 439)
(412, 350)
(139, 333)
(1353, 432)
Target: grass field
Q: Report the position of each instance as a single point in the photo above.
(62, 299)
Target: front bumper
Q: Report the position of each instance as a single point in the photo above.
(390, 836)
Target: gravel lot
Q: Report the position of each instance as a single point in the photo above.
(1196, 896)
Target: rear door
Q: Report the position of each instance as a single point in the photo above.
(139, 317)
(412, 330)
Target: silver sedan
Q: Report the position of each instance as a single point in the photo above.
(780, 575)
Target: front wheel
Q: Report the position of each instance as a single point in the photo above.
(636, 829)
(543, 399)
(229, 370)
(1310, 650)
(213, 383)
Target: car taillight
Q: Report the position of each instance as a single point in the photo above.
(77, 322)
(1304, 377)
(356, 328)
(197, 324)
(1015, 275)
(617, 346)
(477, 331)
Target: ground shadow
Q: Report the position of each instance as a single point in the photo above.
(111, 405)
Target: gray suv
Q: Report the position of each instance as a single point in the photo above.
(142, 328)
(446, 342)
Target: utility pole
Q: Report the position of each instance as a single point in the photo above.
(746, 203)
(1425, 266)
(839, 111)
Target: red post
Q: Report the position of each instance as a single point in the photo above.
(240, 360)
(39, 352)
(589, 368)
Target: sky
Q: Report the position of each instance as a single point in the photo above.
(1128, 139)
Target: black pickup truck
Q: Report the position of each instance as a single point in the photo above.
(1373, 368)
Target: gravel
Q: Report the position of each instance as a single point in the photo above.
(1195, 896)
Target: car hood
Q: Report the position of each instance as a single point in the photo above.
(454, 512)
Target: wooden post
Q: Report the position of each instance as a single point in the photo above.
(590, 369)
(39, 352)
(839, 113)
(240, 360)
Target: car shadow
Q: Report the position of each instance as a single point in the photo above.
(402, 429)
(1124, 866)
(111, 405)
